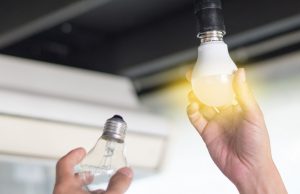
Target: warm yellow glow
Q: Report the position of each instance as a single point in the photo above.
(214, 90)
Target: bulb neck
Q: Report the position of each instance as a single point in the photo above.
(115, 129)
(210, 36)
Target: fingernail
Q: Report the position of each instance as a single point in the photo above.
(126, 171)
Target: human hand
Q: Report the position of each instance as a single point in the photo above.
(237, 140)
(69, 183)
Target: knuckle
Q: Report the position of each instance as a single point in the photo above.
(63, 186)
(59, 189)
(60, 163)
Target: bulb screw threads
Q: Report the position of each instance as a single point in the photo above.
(115, 129)
(210, 36)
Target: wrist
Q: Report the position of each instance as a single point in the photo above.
(264, 180)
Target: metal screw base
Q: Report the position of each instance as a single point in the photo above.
(210, 36)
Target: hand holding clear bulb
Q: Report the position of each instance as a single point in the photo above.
(69, 183)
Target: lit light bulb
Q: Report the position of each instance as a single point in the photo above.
(212, 75)
(106, 157)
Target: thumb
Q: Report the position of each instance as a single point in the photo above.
(120, 182)
(243, 93)
(65, 166)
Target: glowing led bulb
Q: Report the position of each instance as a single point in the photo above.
(106, 157)
(212, 74)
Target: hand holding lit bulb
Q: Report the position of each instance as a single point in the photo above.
(237, 140)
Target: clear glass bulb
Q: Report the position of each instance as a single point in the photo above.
(212, 74)
(106, 157)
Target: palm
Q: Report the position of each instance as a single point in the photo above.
(234, 142)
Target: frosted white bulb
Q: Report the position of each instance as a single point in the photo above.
(212, 74)
(106, 157)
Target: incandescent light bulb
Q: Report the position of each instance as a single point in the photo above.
(106, 157)
(212, 74)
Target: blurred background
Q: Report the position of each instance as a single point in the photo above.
(68, 65)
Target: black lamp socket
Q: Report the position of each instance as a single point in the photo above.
(209, 15)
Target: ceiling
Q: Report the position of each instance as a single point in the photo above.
(135, 38)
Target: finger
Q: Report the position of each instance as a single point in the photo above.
(65, 166)
(196, 118)
(120, 182)
(192, 98)
(226, 118)
(200, 123)
(188, 75)
(207, 111)
(84, 178)
(244, 95)
(100, 191)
